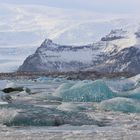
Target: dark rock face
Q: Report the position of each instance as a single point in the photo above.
(114, 35)
(32, 63)
(111, 38)
(127, 60)
(52, 57)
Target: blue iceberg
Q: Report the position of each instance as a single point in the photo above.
(121, 104)
(92, 91)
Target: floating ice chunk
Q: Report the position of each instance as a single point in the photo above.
(125, 84)
(135, 78)
(53, 98)
(120, 85)
(3, 84)
(64, 86)
(4, 98)
(93, 91)
(135, 94)
(71, 107)
(44, 79)
(9, 90)
(23, 94)
(38, 116)
(12, 87)
(121, 104)
(3, 103)
(7, 115)
(59, 80)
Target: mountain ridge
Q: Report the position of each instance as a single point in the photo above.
(116, 52)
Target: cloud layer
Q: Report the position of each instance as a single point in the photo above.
(108, 6)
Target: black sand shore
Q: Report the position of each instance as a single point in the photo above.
(80, 75)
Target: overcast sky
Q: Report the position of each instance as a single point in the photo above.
(108, 6)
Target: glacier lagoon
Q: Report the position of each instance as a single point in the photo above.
(57, 108)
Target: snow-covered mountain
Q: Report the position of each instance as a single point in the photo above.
(124, 52)
(24, 27)
(116, 52)
(54, 57)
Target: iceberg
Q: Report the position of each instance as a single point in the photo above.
(12, 87)
(7, 115)
(4, 98)
(38, 116)
(136, 79)
(133, 94)
(121, 104)
(92, 91)
(3, 84)
(71, 107)
(125, 84)
(120, 85)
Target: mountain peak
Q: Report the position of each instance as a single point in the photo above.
(114, 35)
(47, 42)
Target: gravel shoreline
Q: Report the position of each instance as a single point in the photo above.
(81, 75)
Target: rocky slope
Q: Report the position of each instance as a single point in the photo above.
(118, 51)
